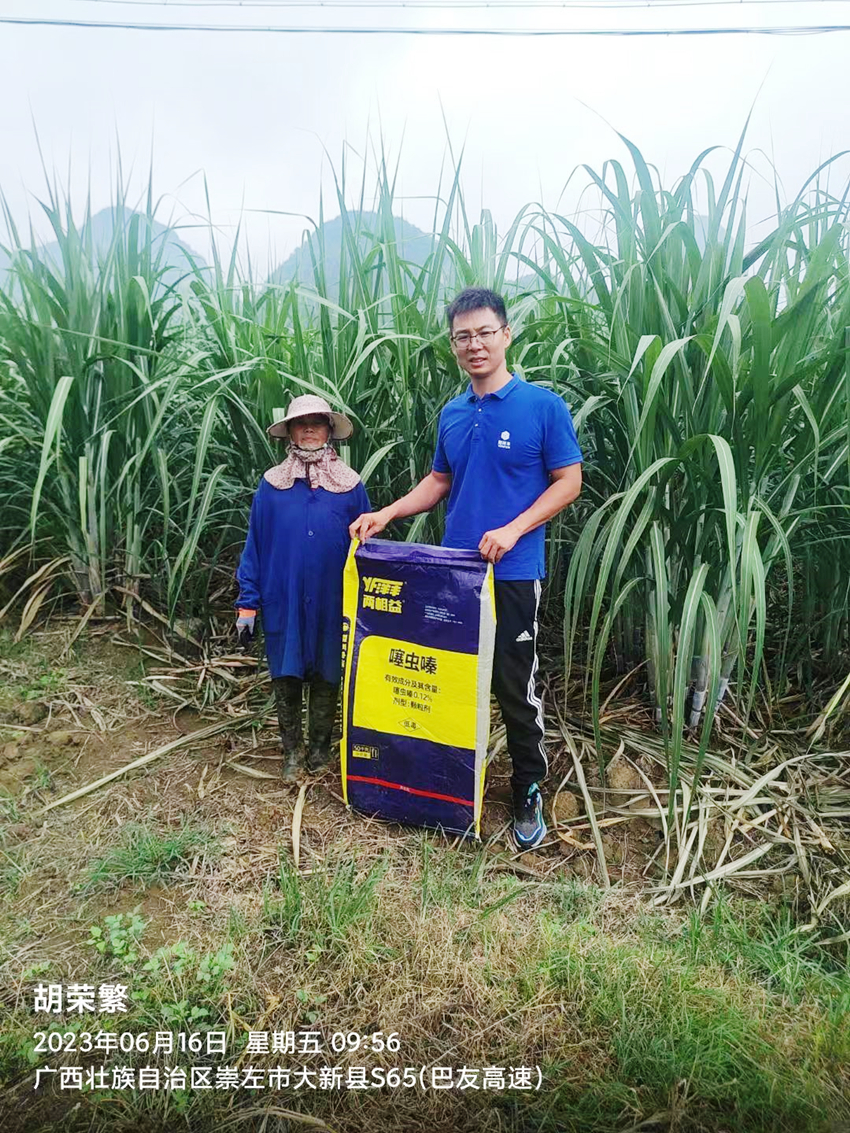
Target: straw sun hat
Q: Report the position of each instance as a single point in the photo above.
(305, 406)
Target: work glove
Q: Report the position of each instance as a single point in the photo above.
(245, 628)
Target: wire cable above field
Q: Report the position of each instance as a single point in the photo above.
(431, 5)
(255, 29)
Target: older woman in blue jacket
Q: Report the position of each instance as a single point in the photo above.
(291, 571)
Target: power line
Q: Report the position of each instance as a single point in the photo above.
(428, 5)
(235, 29)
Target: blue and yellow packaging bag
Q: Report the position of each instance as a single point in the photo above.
(419, 627)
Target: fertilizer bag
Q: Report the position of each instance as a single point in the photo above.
(419, 627)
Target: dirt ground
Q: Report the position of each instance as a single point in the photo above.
(97, 726)
(441, 953)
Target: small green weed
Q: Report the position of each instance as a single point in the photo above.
(319, 910)
(214, 965)
(181, 984)
(451, 879)
(12, 870)
(35, 970)
(347, 898)
(43, 685)
(41, 779)
(312, 1001)
(174, 985)
(119, 938)
(10, 809)
(184, 962)
(146, 857)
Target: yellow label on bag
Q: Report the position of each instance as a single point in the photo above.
(406, 689)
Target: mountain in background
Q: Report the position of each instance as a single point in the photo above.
(413, 244)
(175, 255)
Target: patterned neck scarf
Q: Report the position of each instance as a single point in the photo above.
(320, 467)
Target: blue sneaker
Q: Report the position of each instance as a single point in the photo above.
(529, 828)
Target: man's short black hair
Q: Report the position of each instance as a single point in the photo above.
(476, 299)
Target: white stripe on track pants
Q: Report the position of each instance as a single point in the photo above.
(516, 681)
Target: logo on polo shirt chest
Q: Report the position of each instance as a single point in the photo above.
(505, 439)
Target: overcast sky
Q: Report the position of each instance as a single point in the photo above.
(262, 116)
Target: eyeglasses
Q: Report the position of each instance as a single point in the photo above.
(463, 338)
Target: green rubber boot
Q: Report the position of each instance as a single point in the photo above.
(321, 715)
(287, 699)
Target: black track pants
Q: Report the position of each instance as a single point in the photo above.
(516, 683)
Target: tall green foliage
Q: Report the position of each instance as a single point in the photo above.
(93, 363)
(717, 406)
(709, 381)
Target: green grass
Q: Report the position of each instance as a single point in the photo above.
(318, 912)
(12, 870)
(630, 1012)
(666, 1029)
(146, 857)
(29, 672)
(764, 945)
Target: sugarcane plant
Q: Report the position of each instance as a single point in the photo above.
(719, 424)
(707, 375)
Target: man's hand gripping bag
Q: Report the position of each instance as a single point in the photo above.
(419, 627)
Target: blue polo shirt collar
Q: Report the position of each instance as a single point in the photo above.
(500, 393)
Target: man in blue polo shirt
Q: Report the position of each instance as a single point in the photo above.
(508, 460)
